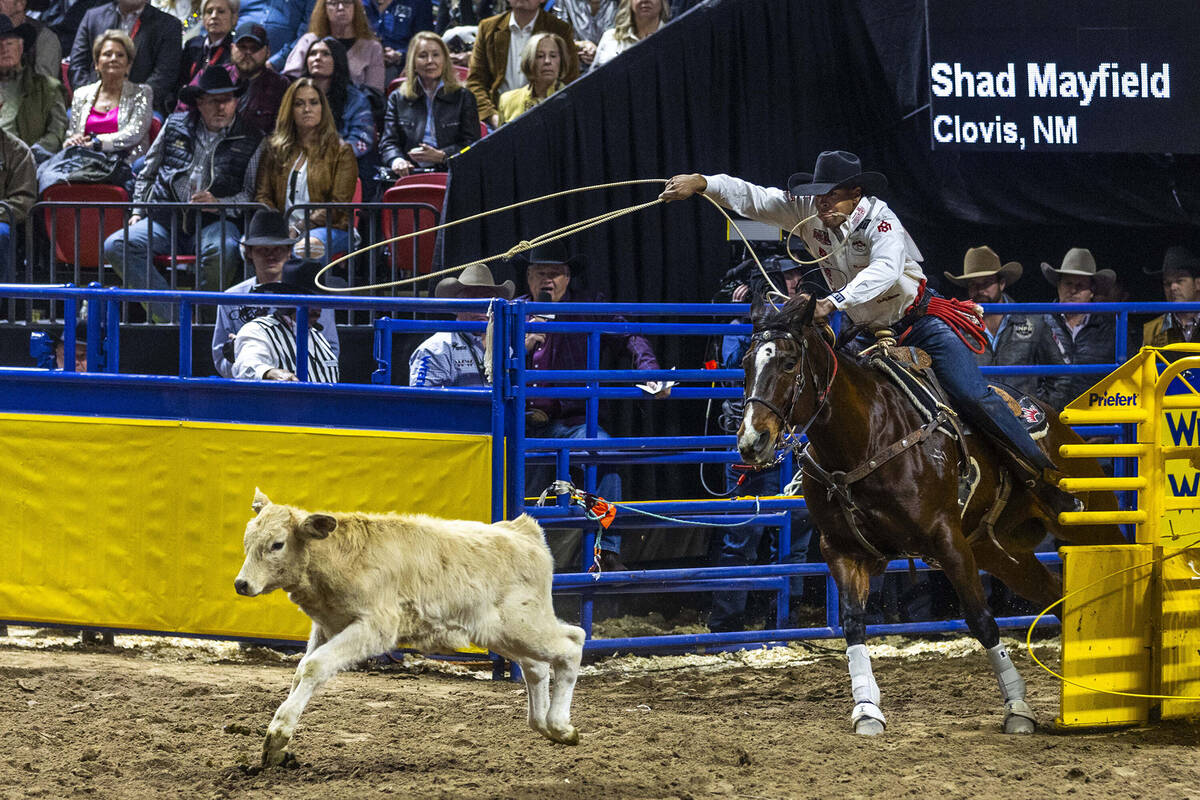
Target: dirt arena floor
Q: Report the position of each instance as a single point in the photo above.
(154, 718)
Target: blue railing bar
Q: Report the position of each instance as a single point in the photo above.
(415, 325)
(1149, 307)
(638, 375)
(632, 393)
(729, 310)
(185, 339)
(631, 442)
(639, 521)
(644, 328)
(1052, 369)
(742, 584)
(1099, 430)
(644, 457)
(681, 507)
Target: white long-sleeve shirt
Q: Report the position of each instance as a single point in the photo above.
(875, 276)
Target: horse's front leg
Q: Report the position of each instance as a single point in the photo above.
(853, 579)
(958, 563)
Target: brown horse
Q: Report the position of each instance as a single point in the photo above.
(883, 482)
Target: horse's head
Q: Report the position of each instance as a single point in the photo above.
(781, 380)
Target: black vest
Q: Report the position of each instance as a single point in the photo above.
(229, 162)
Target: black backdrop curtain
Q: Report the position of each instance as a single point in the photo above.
(757, 88)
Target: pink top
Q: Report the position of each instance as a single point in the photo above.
(101, 123)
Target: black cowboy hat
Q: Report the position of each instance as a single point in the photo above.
(299, 276)
(26, 31)
(555, 252)
(835, 169)
(1177, 258)
(214, 80)
(268, 228)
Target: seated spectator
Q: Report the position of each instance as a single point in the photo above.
(113, 114)
(46, 49)
(634, 21)
(266, 245)
(589, 19)
(1074, 338)
(304, 161)
(186, 11)
(34, 107)
(284, 20)
(158, 38)
(458, 358)
(214, 46)
(265, 347)
(346, 21)
(18, 189)
(327, 66)
(207, 156)
(463, 13)
(395, 22)
(543, 63)
(548, 278)
(1011, 338)
(1179, 270)
(431, 117)
(496, 58)
(263, 88)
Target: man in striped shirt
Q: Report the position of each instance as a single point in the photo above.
(265, 347)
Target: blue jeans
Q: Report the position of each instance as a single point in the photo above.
(8, 272)
(608, 482)
(740, 547)
(220, 263)
(956, 369)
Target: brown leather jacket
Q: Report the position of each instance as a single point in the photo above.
(489, 59)
(332, 178)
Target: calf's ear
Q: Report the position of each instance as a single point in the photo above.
(318, 526)
(260, 501)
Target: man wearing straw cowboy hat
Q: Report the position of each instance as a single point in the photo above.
(1179, 270)
(1011, 338)
(1074, 338)
(873, 265)
(458, 358)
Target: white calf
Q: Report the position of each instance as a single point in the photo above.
(369, 581)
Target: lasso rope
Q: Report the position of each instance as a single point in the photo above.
(1063, 599)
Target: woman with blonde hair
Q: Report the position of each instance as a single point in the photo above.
(214, 44)
(305, 161)
(635, 20)
(345, 20)
(113, 114)
(543, 63)
(431, 116)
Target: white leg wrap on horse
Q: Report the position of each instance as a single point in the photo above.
(1012, 686)
(862, 680)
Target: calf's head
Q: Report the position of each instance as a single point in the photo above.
(276, 545)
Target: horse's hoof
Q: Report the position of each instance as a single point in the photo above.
(275, 752)
(1019, 718)
(568, 736)
(868, 727)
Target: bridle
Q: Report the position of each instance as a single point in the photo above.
(799, 381)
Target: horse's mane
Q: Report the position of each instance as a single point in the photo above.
(791, 316)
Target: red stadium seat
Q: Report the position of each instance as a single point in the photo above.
(155, 127)
(90, 234)
(462, 72)
(396, 83)
(423, 179)
(66, 78)
(399, 222)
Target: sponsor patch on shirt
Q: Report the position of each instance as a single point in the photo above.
(858, 246)
(1022, 328)
(837, 297)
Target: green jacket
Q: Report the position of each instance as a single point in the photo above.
(18, 176)
(42, 119)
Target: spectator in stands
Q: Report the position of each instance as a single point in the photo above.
(589, 19)
(431, 117)
(265, 347)
(46, 50)
(266, 246)
(496, 59)
(34, 108)
(1075, 338)
(18, 190)
(1179, 271)
(635, 20)
(113, 114)
(543, 64)
(264, 88)
(207, 156)
(186, 11)
(346, 21)
(1011, 338)
(284, 20)
(215, 45)
(395, 22)
(159, 42)
(463, 13)
(304, 161)
(327, 66)
(458, 358)
(740, 545)
(548, 277)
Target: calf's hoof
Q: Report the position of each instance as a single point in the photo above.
(1019, 718)
(868, 719)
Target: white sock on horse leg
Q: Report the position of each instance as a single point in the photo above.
(862, 680)
(1012, 685)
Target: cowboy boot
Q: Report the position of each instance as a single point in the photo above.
(1043, 485)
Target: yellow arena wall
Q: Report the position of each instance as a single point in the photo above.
(137, 524)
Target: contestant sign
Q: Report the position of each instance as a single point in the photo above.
(1116, 76)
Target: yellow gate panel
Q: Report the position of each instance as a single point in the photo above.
(1106, 641)
(138, 524)
(1181, 633)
